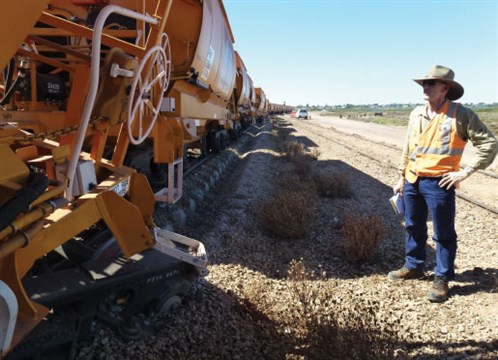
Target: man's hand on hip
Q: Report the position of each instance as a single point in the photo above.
(453, 178)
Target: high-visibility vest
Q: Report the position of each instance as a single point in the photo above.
(437, 149)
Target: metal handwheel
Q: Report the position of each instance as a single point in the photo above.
(146, 93)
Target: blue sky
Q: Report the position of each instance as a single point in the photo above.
(364, 52)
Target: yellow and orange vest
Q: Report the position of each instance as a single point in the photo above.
(437, 149)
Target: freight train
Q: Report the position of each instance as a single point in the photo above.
(102, 101)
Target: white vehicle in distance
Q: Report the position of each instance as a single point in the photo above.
(302, 114)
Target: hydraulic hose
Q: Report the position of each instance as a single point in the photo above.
(8, 74)
(21, 239)
(13, 88)
(21, 74)
(37, 213)
(37, 183)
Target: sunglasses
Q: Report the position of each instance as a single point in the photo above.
(429, 82)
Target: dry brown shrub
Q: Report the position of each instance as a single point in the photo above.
(294, 149)
(296, 183)
(303, 166)
(301, 286)
(283, 135)
(315, 153)
(325, 327)
(351, 330)
(290, 214)
(289, 182)
(362, 236)
(333, 184)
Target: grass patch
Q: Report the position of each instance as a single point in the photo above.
(394, 117)
(386, 121)
(489, 117)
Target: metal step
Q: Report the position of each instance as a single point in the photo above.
(193, 253)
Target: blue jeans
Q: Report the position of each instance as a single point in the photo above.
(418, 198)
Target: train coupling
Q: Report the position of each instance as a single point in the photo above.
(182, 248)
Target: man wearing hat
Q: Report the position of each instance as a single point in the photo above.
(430, 171)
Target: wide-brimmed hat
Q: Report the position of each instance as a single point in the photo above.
(446, 75)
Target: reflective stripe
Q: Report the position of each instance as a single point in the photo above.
(445, 127)
(440, 151)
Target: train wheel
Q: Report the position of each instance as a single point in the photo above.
(221, 141)
(226, 139)
(236, 132)
(169, 304)
(185, 158)
(204, 147)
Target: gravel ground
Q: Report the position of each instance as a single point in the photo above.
(249, 307)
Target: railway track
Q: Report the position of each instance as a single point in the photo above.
(315, 129)
(197, 161)
(199, 177)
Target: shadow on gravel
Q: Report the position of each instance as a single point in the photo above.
(210, 324)
(483, 280)
(285, 130)
(469, 349)
(305, 141)
(227, 326)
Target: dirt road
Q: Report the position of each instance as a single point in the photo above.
(392, 135)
